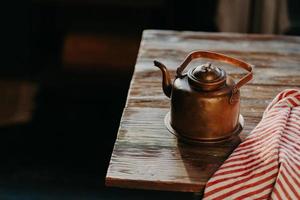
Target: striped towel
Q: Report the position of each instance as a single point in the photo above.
(267, 164)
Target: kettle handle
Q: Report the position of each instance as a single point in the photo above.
(221, 57)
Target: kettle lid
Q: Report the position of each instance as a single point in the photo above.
(207, 77)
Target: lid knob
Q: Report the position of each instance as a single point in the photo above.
(207, 72)
(207, 77)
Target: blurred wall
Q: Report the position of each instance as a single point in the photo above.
(258, 16)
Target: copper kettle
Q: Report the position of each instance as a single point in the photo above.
(205, 102)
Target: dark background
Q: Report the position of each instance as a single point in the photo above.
(79, 55)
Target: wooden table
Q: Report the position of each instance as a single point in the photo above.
(145, 154)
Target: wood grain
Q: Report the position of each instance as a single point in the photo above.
(145, 154)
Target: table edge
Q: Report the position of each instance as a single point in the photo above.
(150, 185)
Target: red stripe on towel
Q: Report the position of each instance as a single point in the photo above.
(266, 164)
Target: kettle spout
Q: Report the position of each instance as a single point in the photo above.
(166, 82)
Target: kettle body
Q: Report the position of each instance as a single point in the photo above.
(205, 102)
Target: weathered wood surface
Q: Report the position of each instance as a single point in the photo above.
(146, 155)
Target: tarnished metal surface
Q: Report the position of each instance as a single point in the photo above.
(205, 104)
